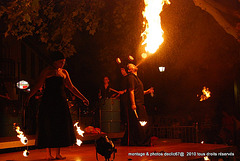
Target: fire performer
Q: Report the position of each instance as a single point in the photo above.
(55, 128)
(137, 134)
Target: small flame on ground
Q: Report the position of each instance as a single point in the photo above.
(25, 153)
(206, 158)
(206, 94)
(202, 142)
(153, 34)
(21, 135)
(79, 142)
(80, 132)
(143, 123)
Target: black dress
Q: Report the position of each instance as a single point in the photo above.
(55, 128)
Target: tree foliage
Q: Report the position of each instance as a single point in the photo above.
(54, 22)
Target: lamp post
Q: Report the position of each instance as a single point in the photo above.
(23, 85)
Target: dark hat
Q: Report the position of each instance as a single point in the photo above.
(56, 55)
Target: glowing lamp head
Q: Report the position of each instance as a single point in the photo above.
(22, 84)
(144, 55)
(161, 69)
(131, 58)
(118, 60)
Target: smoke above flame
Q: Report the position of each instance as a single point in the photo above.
(153, 34)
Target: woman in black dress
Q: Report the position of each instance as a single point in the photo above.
(55, 128)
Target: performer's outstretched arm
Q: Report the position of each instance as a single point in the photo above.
(73, 89)
(150, 90)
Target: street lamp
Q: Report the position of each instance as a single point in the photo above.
(22, 84)
(161, 69)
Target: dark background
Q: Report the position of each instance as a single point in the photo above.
(196, 52)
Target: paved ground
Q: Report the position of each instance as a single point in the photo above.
(87, 153)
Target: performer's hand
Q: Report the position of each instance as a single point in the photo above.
(121, 92)
(86, 102)
(151, 90)
(134, 107)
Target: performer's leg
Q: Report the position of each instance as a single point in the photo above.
(58, 154)
(49, 154)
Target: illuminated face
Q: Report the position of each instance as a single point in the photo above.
(59, 63)
(132, 68)
(106, 80)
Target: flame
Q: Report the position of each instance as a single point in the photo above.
(25, 153)
(144, 55)
(143, 123)
(21, 135)
(206, 158)
(79, 142)
(80, 132)
(206, 94)
(202, 142)
(153, 34)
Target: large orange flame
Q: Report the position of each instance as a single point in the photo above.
(153, 34)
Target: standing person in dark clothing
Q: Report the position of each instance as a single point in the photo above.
(104, 91)
(124, 96)
(124, 101)
(137, 133)
(55, 128)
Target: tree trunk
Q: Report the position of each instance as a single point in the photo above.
(213, 10)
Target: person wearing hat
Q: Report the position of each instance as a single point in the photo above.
(55, 128)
